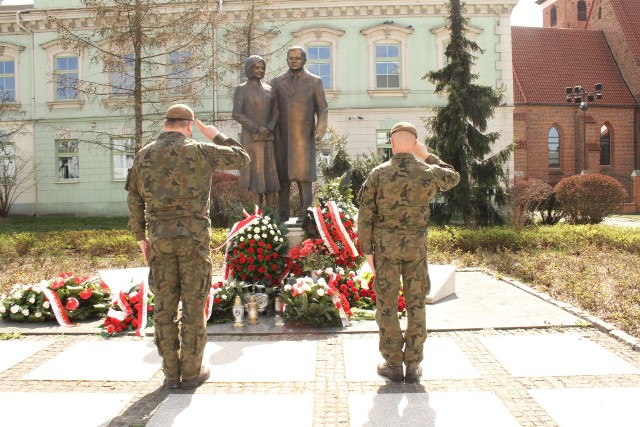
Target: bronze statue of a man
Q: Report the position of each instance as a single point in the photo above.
(303, 122)
(255, 108)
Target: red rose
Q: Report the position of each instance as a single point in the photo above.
(216, 300)
(343, 288)
(149, 308)
(243, 276)
(252, 267)
(250, 260)
(134, 323)
(269, 246)
(111, 329)
(72, 304)
(241, 245)
(57, 283)
(253, 242)
(235, 252)
(251, 250)
(261, 269)
(260, 244)
(260, 257)
(338, 305)
(119, 328)
(267, 258)
(86, 294)
(275, 255)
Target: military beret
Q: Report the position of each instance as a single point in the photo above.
(404, 126)
(180, 112)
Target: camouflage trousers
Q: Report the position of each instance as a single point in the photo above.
(180, 271)
(395, 348)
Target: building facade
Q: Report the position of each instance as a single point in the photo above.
(555, 138)
(371, 55)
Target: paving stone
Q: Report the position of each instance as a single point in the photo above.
(238, 361)
(591, 407)
(15, 351)
(555, 355)
(451, 409)
(249, 410)
(104, 360)
(60, 409)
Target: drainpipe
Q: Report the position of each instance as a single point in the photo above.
(33, 101)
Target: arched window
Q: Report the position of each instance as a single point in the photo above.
(553, 140)
(553, 16)
(582, 10)
(605, 146)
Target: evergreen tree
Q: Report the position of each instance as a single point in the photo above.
(458, 128)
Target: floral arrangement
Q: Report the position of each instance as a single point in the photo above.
(256, 251)
(316, 304)
(65, 298)
(221, 300)
(129, 312)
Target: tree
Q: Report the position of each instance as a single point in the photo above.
(151, 50)
(458, 128)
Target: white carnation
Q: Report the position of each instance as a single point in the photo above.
(264, 235)
(3, 309)
(223, 296)
(257, 236)
(15, 309)
(306, 287)
(256, 230)
(25, 312)
(32, 300)
(46, 304)
(268, 218)
(38, 314)
(272, 232)
(264, 221)
(287, 288)
(17, 295)
(320, 292)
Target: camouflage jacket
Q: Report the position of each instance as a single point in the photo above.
(394, 204)
(169, 184)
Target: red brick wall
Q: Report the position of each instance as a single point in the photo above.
(609, 24)
(533, 160)
(566, 12)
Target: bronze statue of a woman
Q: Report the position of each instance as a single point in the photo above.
(256, 109)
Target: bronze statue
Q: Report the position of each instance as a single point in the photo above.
(255, 108)
(303, 122)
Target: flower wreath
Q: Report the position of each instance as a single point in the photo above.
(317, 304)
(65, 298)
(129, 312)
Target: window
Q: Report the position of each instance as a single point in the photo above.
(7, 81)
(443, 35)
(383, 145)
(605, 146)
(553, 139)
(321, 45)
(582, 10)
(64, 73)
(7, 156)
(387, 54)
(553, 16)
(68, 160)
(66, 77)
(319, 63)
(387, 66)
(122, 78)
(123, 153)
(179, 72)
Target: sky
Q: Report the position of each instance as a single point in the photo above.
(526, 13)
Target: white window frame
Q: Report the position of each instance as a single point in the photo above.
(443, 34)
(69, 154)
(322, 36)
(7, 154)
(54, 49)
(11, 52)
(381, 134)
(121, 157)
(127, 73)
(388, 34)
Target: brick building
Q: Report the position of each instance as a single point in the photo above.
(555, 138)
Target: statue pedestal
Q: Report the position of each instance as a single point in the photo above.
(295, 235)
(443, 282)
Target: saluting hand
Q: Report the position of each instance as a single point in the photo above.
(209, 132)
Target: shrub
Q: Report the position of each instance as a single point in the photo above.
(529, 197)
(587, 199)
(228, 199)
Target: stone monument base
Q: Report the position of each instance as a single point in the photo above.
(443, 282)
(295, 235)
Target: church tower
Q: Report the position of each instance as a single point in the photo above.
(565, 13)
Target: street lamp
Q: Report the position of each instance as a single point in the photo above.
(578, 95)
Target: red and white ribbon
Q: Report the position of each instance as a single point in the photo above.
(143, 298)
(208, 307)
(121, 300)
(237, 228)
(322, 229)
(57, 308)
(342, 232)
(117, 314)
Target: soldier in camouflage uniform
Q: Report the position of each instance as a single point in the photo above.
(169, 189)
(392, 227)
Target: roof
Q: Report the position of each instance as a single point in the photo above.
(547, 60)
(628, 14)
